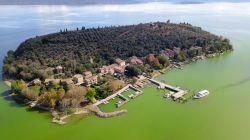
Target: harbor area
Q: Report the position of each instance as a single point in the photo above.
(121, 97)
(176, 93)
(131, 92)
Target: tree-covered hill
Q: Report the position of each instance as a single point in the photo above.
(74, 49)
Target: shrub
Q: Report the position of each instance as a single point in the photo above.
(17, 86)
(115, 85)
(30, 94)
(164, 61)
(132, 71)
(91, 92)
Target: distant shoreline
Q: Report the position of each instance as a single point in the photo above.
(70, 3)
(108, 2)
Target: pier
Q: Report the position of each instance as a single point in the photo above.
(178, 93)
(111, 96)
(135, 89)
(118, 93)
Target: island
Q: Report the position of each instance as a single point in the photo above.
(72, 72)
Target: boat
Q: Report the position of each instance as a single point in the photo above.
(105, 102)
(118, 104)
(168, 95)
(131, 96)
(201, 94)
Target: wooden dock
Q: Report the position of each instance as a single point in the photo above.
(122, 97)
(112, 96)
(118, 93)
(178, 93)
(134, 88)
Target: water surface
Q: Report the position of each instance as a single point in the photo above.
(224, 115)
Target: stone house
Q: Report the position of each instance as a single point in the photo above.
(120, 62)
(67, 82)
(87, 74)
(135, 60)
(119, 69)
(78, 79)
(177, 50)
(50, 81)
(90, 81)
(106, 70)
(35, 81)
(196, 50)
(59, 69)
(169, 53)
(207, 48)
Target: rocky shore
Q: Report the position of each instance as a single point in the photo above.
(96, 111)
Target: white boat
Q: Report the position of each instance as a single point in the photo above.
(201, 94)
(106, 102)
(131, 96)
(168, 95)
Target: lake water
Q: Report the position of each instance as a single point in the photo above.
(223, 115)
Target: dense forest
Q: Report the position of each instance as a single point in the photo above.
(89, 49)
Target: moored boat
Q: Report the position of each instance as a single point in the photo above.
(201, 94)
(168, 95)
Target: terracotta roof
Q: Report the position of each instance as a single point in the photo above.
(59, 67)
(78, 76)
(118, 60)
(87, 73)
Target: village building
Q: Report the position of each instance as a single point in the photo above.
(89, 78)
(169, 53)
(78, 79)
(106, 70)
(196, 49)
(35, 81)
(59, 69)
(91, 60)
(50, 70)
(87, 74)
(67, 82)
(185, 51)
(177, 50)
(48, 82)
(120, 62)
(119, 69)
(113, 69)
(135, 60)
(207, 48)
(90, 81)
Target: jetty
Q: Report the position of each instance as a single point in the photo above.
(96, 111)
(112, 96)
(178, 93)
(119, 94)
(135, 89)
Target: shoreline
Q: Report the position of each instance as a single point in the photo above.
(95, 110)
(60, 119)
(7, 83)
(180, 64)
(88, 110)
